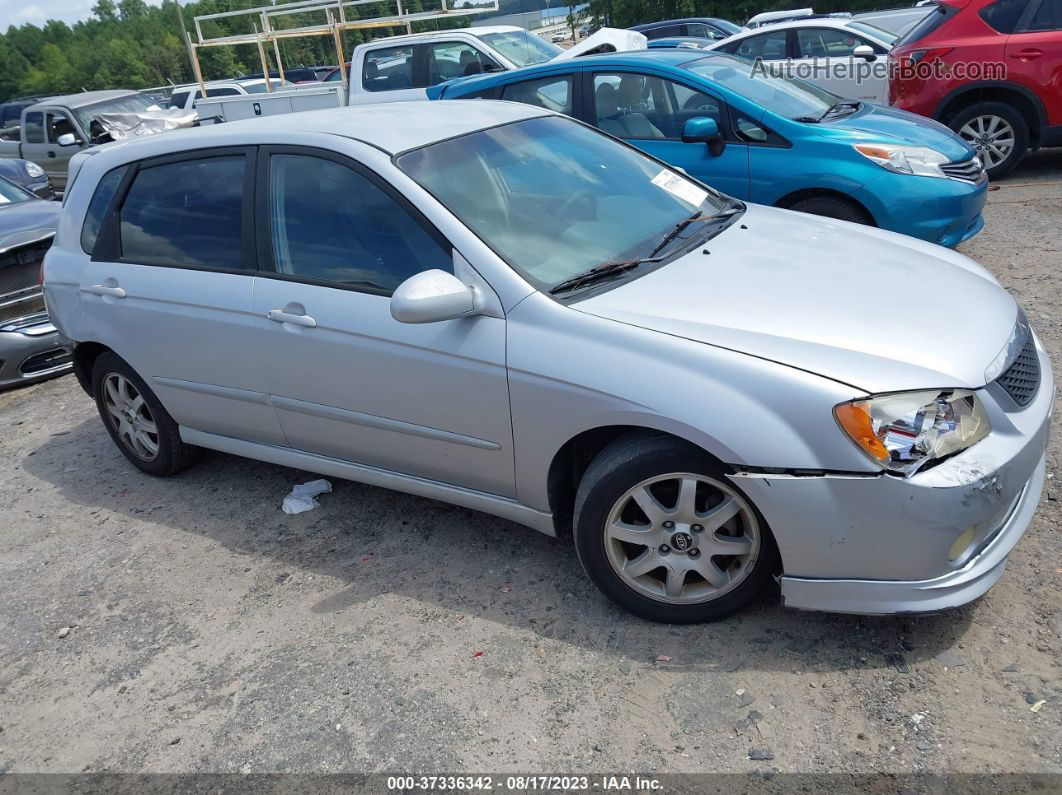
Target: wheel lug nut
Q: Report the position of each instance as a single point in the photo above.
(669, 524)
(694, 552)
(665, 548)
(696, 528)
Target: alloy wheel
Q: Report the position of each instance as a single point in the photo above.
(992, 137)
(130, 416)
(682, 538)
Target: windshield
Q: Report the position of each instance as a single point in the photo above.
(786, 96)
(521, 47)
(554, 198)
(10, 193)
(134, 103)
(727, 25)
(880, 34)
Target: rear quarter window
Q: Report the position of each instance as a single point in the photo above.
(101, 200)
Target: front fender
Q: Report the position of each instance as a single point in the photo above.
(570, 372)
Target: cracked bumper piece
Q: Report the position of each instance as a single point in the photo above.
(879, 544)
(870, 597)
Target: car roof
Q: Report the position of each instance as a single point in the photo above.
(649, 25)
(86, 98)
(666, 56)
(392, 127)
(476, 31)
(812, 22)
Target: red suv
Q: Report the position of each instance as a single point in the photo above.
(989, 69)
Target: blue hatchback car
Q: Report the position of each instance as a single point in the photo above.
(762, 138)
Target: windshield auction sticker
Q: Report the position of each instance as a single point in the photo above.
(680, 188)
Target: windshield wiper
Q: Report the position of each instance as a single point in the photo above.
(610, 269)
(677, 229)
(839, 106)
(597, 273)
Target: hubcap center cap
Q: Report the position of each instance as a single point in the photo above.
(681, 541)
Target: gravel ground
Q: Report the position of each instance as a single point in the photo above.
(208, 631)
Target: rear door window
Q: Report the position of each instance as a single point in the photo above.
(33, 128)
(768, 46)
(1047, 17)
(553, 93)
(1003, 15)
(187, 213)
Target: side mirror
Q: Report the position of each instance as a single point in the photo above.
(431, 296)
(864, 51)
(701, 129)
(67, 139)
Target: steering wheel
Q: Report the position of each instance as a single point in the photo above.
(698, 102)
(572, 201)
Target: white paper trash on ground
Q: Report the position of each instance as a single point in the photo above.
(302, 496)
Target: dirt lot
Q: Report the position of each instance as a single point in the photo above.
(211, 632)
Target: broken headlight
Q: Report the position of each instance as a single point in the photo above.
(904, 431)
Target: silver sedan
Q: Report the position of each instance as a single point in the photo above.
(499, 307)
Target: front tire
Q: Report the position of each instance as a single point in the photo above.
(997, 132)
(664, 534)
(833, 207)
(137, 422)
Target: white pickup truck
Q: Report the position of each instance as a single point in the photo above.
(400, 68)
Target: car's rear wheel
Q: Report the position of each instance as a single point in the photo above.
(832, 207)
(661, 531)
(137, 422)
(997, 132)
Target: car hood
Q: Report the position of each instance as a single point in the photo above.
(876, 310)
(27, 222)
(879, 124)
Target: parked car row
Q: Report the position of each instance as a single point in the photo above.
(770, 140)
(502, 307)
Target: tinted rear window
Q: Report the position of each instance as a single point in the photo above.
(930, 22)
(186, 214)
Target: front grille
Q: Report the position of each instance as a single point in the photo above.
(20, 290)
(46, 361)
(970, 170)
(1022, 379)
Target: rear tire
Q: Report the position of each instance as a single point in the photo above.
(988, 127)
(137, 422)
(833, 207)
(699, 551)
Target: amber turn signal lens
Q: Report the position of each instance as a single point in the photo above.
(855, 419)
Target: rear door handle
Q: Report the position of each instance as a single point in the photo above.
(114, 292)
(1028, 53)
(280, 316)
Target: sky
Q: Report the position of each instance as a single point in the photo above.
(37, 12)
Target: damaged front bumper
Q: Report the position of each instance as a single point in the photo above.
(882, 544)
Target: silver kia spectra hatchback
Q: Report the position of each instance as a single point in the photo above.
(493, 305)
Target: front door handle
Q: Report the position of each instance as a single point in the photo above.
(114, 292)
(51, 154)
(280, 316)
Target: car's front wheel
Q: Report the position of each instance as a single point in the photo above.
(661, 531)
(137, 422)
(997, 132)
